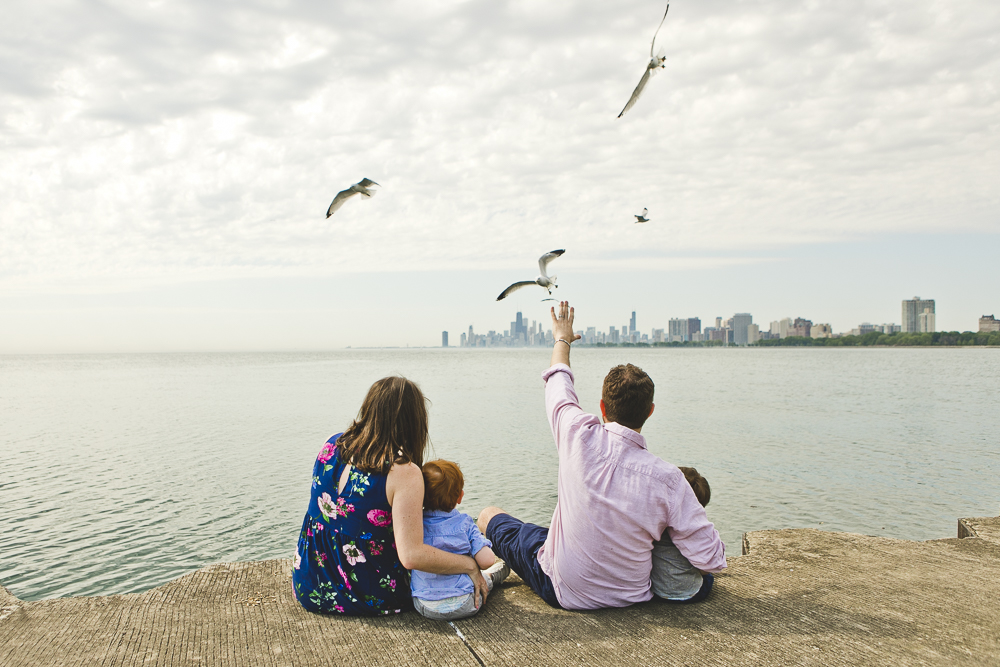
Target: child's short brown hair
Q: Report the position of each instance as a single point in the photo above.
(700, 485)
(443, 484)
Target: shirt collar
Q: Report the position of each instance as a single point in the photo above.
(626, 433)
(440, 513)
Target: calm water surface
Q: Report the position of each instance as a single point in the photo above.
(120, 472)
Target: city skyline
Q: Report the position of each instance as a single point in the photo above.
(738, 330)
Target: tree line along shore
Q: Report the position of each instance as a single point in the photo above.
(873, 339)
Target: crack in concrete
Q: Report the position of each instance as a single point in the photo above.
(467, 644)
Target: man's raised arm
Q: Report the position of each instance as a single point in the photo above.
(561, 402)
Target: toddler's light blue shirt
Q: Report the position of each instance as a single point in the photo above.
(455, 533)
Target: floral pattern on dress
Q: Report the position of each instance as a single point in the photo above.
(346, 560)
(354, 554)
(359, 482)
(328, 452)
(328, 508)
(380, 518)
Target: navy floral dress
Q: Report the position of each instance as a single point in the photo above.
(346, 560)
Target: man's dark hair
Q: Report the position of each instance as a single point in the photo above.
(627, 396)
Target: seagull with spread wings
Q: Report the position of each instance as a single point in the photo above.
(543, 280)
(655, 64)
(363, 188)
(642, 216)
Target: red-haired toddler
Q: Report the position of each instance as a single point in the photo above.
(448, 597)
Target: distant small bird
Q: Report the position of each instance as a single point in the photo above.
(542, 280)
(364, 188)
(642, 216)
(655, 64)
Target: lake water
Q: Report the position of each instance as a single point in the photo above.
(121, 472)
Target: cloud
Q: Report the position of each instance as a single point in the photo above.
(206, 139)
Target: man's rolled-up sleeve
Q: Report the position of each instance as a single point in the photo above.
(561, 402)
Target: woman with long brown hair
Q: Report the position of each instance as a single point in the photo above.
(363, 529)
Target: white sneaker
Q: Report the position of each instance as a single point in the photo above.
(496, 573)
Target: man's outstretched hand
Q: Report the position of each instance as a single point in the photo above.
(562, 329)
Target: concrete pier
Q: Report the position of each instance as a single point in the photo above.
(796, 597)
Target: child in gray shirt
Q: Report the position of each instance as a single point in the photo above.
(673, 577)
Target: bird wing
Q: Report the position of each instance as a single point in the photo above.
(644, 212)
(368, 188)
(339, 200)
(637, 92)
(515, 287)
(653, 44)
(543, 261)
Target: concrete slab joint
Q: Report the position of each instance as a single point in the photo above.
(965, 529)
(985, 528)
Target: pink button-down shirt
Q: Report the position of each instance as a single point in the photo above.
(614, 499)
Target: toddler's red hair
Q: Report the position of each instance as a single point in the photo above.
(443, 483)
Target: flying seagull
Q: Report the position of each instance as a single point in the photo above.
(642, 216)
(364, 188)
(542, 280)
(652, 67)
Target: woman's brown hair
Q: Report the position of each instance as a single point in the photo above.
(390, 428)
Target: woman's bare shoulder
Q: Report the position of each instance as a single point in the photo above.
(405, 469)
(404, 475)
(401, 473)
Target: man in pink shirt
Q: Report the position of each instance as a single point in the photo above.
(615, 498)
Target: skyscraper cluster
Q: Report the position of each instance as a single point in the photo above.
(740, 329)
(520, 334)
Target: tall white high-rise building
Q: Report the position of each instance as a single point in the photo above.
(912, 310)
(782, 328)
(925, 321)
(677, 329)
(741, 324)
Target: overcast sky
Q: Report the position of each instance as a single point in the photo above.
(166, 166)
